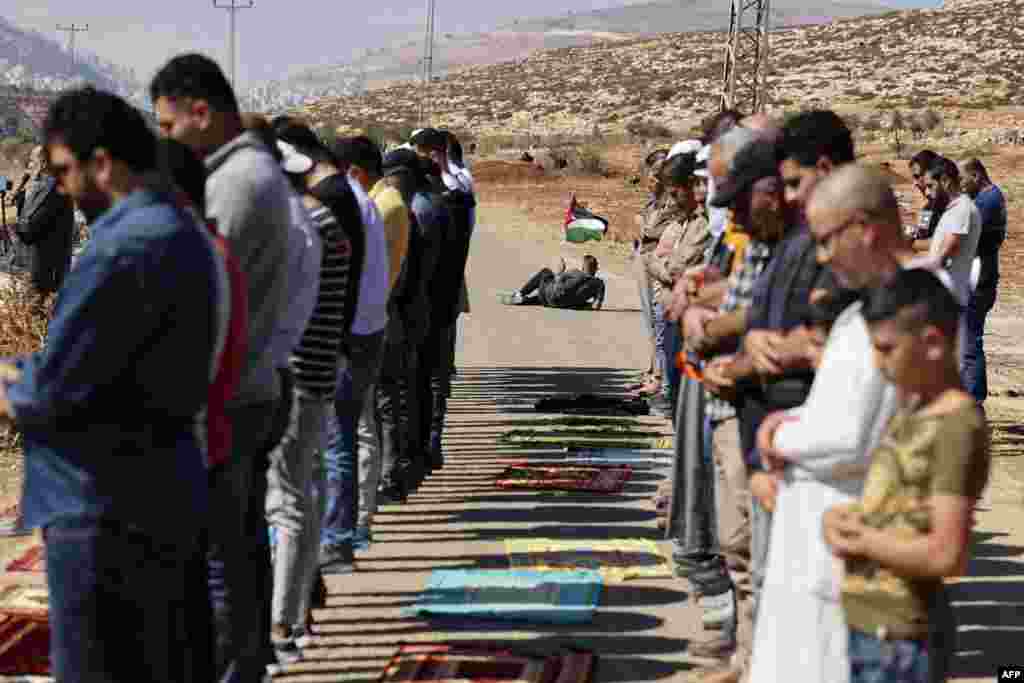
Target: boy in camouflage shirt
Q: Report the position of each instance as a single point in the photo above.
(911, 528)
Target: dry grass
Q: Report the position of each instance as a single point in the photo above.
(23, 324)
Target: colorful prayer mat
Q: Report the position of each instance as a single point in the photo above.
(485, 664)
(33, 559)
(24, 631)
(618, 456)
(617, 560)
(513, 595)
(590, 478)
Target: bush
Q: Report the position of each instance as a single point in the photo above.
(642, 128)
(23, 323)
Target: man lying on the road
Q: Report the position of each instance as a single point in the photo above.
(576, 289)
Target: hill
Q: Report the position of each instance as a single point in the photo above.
(31, 59)
(519, 39)
(962, 57)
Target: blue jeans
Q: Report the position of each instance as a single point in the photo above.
(340, 465)
(973, 366)
(120, 603)
(884, 661)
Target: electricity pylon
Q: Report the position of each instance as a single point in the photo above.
(745, 77)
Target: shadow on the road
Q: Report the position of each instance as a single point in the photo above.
(989, 609)
(501, 533)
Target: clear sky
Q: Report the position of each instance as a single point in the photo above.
(275, 37)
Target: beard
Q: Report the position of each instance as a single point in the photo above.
(91, 201)
(767, 226)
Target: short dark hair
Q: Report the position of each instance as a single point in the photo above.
(679, 169)
(454, 149)
(590, 264)
(923, 160)
(260, 126)
(298, 134)
(359, 151)
(975, 166)
(430, 138)
(810, 135)
(655, 156)
(944, 168)
(197, 77)
(185, 170)
(915, 298)
(87, 119)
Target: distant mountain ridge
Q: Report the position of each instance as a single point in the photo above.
(29, 59)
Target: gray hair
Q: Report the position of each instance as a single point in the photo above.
(732, 142)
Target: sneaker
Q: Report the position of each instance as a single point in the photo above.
(511, 298)
(718, 610)
(339, 559)
(285, 650)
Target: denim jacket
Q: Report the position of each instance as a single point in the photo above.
(108, 409)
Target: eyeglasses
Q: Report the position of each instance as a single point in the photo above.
(826, 245)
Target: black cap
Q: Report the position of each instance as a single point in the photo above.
(402, 159)
(752, 162)
(679, 169)
(430, 138)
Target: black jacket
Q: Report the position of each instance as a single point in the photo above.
(47, 225)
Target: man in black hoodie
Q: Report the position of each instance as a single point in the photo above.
(405, 396)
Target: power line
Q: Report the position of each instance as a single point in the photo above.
(428, 63)
(71, 31)
(232, 9)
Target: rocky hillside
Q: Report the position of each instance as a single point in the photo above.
(31, 59)
(966, 56)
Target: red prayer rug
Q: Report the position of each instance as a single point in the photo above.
(485, 664)
(589, 478)
(24, 631)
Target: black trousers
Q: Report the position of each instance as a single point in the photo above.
(398, 402)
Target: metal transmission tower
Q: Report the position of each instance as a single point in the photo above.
(428, 64)
(71, 31)
(744, 81)
(232, 8)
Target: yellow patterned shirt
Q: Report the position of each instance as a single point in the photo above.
(919, 456)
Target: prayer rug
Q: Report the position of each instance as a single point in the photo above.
(589, 478)
(616, 560)
(642, 457)
(32, 560)
(589, 404)
(485, 663)
(24, 631)
(511, 595)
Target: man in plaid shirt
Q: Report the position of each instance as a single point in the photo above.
(754, 191)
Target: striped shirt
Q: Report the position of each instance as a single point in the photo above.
(315, 360)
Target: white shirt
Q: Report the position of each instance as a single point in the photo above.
(961, 217)
(374, 286)
(304, 254)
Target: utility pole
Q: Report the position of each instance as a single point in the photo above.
(232, 8)
(71, 31)
(745, 77)
(428, 64)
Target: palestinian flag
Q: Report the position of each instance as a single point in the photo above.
(581, 225)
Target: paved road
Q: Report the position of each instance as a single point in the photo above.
(508, 357)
